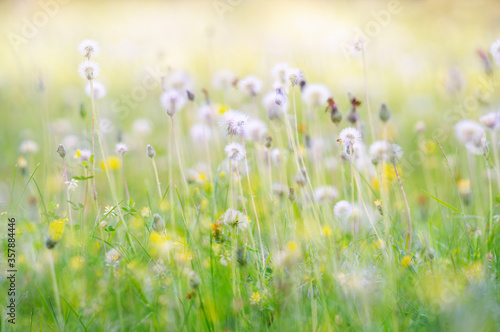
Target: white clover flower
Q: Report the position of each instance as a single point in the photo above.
(72, 184)
(141, 127)
(234, 122)
(121, 148)
(256, 130)
(495, 50)
(315, 95)
(279, 72)
(251, 85)
(112, 258)
(349, 137)
(342, 209)
(200, 132)
(326, 194)
(89, 69)
(99, 89)
(235, 151)
(29, 146)
(172, 101)
(223, 79)
(491, 120)
(234, 218)
(468, 131)
(89, 48)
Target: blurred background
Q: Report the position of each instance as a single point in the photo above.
(422, 58)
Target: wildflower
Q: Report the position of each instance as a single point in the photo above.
(327, 231)
(190, 95)
(315, 95)
(28, 147)
(326, 194)
(112, 162)
(235, 218)
(108, 211)
(279, 72)
(235, 151)
(145, 212)
(291, 194)
(61, 151)
(294, 76)
(491, 120)
(358, 47)
(55, 232)
(72, 184)
(342, 209)
(172, 101)
(121, 148)
(158, 223)
(269, 142)
(112, 258)
(420, 127)
(206, 112)
(256, 130)
(194, 280)
(150, 151)
(235, 122)
(256, 298)
(223, 79)
(98, 88)
(278, 189)
(378, 204)
(349, 137)
(406, 261)
(200, 132)
(384, 113)
(469, 133)
(275, 156)
(89, 69)
(83, 155)
(275, 104)
(301, 177)
(89, 48)
(251, 85)
(177, 80)
(335, 114)
(141, 127)
(495, 50)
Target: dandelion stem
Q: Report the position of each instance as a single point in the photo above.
(93, 143)
(158, 184)
(125, 179)
(178, 152)
(407, 206)
(65, 175)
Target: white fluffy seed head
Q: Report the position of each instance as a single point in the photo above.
(234, 122)
(275, 105)
(294, 76)
(468, 131)
(349, 137)
(491, 120)
(326, 194)
(342, 209)
(29, 147)
(279, 72)
(315, 95)
(121, 148)
(256, 130)
(251, 85)
(89, 70)
(89, 48)
(206, 113)
(223, 79)
(235, 151)
(200, 132)
(177, 80)
(142, 127)
(495, 50)
(234, 218)
(99, 89)
(172, 101)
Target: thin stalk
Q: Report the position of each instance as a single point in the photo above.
(125, 179)
(407, 207)
(178, 152)
(93, 142)
(158, 184)
(56, 291)
(495, 156)
(367, 101)
(65, 175)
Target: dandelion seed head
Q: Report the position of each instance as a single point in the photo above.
(200, 132)
(256, 130)
(294, 76)
(279, 72)
(177, 80)
(142, 127)
(223, 79)
(326, 194)
(315, 95)
(250, 85)
(491, 120)
(121, 148)
(99, 89)
(206, 113)
(89, 70)
(172, 101)
(342, 209)
(469, 133)
(495, 50)
(89, 48)
(235, 151)
(234, 122)
(28, 147)
(234, 218)
(348, 137)
(275, 104)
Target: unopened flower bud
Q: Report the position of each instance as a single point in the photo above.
(158, 223)
(384, 113)
(61, 150)
(150, 151)
(194, 280)
(291, 195)
(269, 141)
(190, 95)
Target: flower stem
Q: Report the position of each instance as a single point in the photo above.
(407, 207)
(178, 152)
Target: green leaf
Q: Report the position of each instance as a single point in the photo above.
(443, 203)
(82, 178)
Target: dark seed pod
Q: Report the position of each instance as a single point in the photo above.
(50, 244)
(384, 113)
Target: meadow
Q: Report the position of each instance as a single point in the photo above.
(250, 166)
